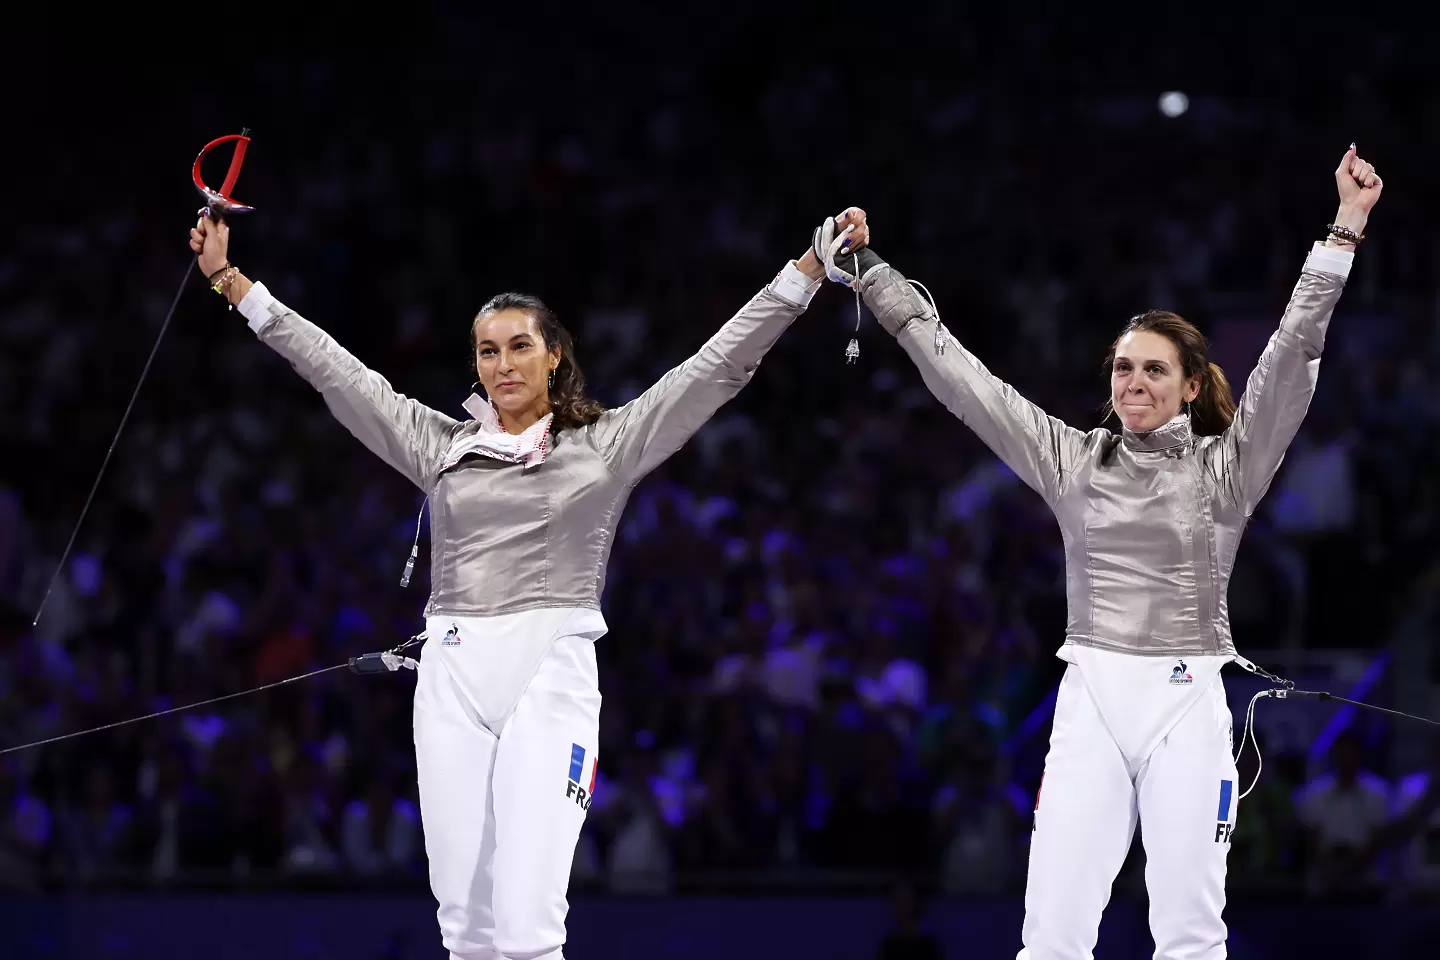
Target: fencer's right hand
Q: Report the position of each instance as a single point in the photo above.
(210, 241)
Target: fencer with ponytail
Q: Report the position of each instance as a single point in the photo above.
(1213, 408)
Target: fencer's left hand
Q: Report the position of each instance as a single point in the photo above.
(843, 234)
(1358, 183)
(1359, 187)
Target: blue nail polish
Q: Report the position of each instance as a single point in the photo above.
(1352, 146)
(845, 244)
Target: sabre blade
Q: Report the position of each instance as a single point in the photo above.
(189, 267)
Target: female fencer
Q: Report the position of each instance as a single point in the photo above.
(1151, 519)
(524, 502)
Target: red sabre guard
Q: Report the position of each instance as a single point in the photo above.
(219, 202)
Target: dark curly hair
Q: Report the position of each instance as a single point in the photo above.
(568, 401)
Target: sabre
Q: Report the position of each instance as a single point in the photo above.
(218, 203)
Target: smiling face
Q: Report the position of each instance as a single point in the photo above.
(1147, 383)
(514, 362)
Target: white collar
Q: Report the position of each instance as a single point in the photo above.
(528, 448)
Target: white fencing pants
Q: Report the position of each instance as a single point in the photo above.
(1134, 739)
(502, 798)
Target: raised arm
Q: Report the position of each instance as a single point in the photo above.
(406, 434)
(1041, 449)
(639, 436)
(1278, 393)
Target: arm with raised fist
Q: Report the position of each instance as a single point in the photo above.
(1277, 395)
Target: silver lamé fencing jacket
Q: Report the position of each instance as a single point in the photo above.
(1151, 522)
(507, 537)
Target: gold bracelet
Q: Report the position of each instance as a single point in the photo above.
(222, 285)
(221, 277)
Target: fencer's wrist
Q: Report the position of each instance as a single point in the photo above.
(237, 288)
(866, 261)
(1348, 228)
(1352, 217)
(811, 266)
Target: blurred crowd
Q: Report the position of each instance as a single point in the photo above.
(833, 612)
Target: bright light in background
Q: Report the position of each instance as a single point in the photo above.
(1174, 103)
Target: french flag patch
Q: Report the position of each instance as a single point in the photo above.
(573, 789)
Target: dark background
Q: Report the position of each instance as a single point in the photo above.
(832, 615)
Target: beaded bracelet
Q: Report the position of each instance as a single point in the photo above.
(1344, 234)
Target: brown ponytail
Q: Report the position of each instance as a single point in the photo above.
(571, 407)
(1213, 408)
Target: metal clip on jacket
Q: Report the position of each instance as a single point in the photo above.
(387, 661)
